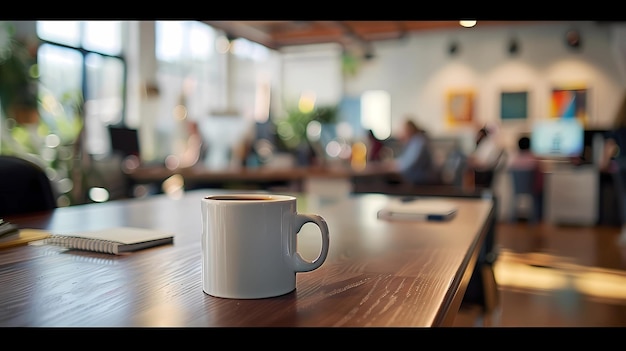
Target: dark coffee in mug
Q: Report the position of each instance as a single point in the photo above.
(239, 198)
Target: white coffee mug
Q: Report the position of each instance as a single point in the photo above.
(249, 245)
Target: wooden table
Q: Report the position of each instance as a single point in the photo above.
(378, 273)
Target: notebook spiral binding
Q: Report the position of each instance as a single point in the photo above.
(72, 242)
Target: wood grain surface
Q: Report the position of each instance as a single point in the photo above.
(378, 273)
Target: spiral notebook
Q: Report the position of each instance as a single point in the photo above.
(115, 241)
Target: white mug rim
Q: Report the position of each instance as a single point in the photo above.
(248, 197)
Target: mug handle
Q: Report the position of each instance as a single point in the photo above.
(300, 264)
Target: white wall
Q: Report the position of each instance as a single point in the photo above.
(418, 71)
(315, 68)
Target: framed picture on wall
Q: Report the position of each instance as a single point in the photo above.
(460, 106)
(513, 105)
(570, 103)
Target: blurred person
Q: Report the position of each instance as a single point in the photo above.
(374, 147)
(195, 148)
(483, 161)
(525, 159)
(416, 162)
(480, 135)
(614, 161)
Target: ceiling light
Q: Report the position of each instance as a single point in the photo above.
(467, 24)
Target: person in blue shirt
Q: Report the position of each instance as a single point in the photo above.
(415, 163)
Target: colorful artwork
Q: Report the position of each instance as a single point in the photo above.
(514, 105)
(569, 103)
(460, 107)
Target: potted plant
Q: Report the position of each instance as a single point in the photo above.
(292, 130)
(18, 86)
(34, 124)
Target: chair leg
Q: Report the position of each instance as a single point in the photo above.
(491, 295)
(490, 288)
(513, 210)
(537, 209)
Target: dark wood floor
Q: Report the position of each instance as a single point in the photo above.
(556, 276)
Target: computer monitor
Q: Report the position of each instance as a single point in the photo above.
(557, 138)
(124, 141)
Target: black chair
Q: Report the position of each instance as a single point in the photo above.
(525, 184)
(24, 187)
(485, 178)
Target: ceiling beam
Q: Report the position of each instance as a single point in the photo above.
(278, 34)
(242, 30)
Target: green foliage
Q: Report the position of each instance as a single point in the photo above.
(292, 129)
(349, 64)
(326, 114)
(17, 85)
(34, 123)
(64, 116)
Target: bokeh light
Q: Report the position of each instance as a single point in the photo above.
(306, 104)
(180, 112)
(172, 162)
(314, 130)
(65, 185)
(97, 194)
(344, 130)
(359, 153)
(130, 163)
(174, 186)
(52, 140)
(333, 148)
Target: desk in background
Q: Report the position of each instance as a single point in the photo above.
(300, 179)
(293, 179)
(580, 195)
(332, 180)
(378, 273)
(571, 195)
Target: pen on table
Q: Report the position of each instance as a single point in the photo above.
(437, 217)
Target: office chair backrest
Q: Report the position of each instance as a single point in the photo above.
(453, 167)
(619, 179)
(523, 180)
(24, 187)
(529, 183)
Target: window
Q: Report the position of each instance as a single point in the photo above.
(190, 75)
(187, 67)
(198, 68)
(82, 60)
(376, 112)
